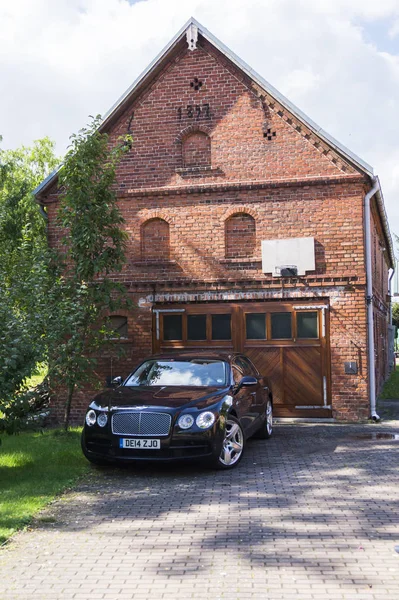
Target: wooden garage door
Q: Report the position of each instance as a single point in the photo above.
(286, 341)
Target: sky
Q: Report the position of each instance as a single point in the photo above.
(336, 60)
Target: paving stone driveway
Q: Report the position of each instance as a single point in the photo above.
(312, 513)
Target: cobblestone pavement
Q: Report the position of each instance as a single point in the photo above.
(310, 514)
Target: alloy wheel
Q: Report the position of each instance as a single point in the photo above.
(269, 418)
(233, 444)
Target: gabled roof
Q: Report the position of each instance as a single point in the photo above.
(353, 158)
(154, 66)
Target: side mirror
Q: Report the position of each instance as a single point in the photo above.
(116, 381)
(246, 381)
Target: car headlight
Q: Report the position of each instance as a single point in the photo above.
(205, 420)
(185, 421)
(91, 418)
(102, 419)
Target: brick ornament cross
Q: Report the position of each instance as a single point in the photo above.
(196, 84)
(269, 134)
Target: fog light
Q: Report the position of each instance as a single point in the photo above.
(91, 418)
(185, 421)
(102, 419)
(205, 420)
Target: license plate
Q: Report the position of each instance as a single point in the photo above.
(140, 444)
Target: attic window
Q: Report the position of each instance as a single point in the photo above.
(196, 150)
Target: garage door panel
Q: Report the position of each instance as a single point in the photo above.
(269, 362)
(303, 376)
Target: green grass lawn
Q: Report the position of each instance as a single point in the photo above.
(34, 467)
(391, 388)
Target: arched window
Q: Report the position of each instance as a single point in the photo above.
(196, 150)
(240, 236)
(155, 240)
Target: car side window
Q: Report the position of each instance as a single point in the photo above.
(245, 366)
(237, 373)
(249, 367)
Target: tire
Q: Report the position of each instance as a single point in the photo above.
(266, 429)
(233, 445)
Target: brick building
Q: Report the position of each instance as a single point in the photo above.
(250, 228)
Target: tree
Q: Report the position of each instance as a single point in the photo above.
(22, 227)
(395, 314)
(23, 250)
(81, 291)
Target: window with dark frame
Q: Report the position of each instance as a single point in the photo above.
(307, 325)
(196, 328)
(281, 326)
(255, 324)
(172, 328)
(221, 327)
(202, 327)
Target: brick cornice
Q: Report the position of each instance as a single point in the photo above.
(198, 188)
(308, 282)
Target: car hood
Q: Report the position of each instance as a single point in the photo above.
(167, 396)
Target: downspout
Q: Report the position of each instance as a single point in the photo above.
(390, 295)
(369, 298)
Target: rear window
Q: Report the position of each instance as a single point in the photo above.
(195, 372)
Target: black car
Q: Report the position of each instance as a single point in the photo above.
(181, 406)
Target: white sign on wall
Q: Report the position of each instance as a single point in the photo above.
(291, 252)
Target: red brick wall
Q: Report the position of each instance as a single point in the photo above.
(348, 342)
(380, 291)
(291, 185)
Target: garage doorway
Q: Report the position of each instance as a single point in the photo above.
(287, 341)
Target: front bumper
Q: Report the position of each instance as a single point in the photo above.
(177, 446)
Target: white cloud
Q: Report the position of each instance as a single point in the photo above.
(61, 61)
(394, 29)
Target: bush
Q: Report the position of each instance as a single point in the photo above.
(27, 410)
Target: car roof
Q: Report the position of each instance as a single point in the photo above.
(205, 354)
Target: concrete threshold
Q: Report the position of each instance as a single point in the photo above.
(292, 420)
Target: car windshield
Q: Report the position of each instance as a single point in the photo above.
(195, 372)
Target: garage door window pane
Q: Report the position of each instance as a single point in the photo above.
(221, 327)
(256, 326)
(172, 327)
(306, 323)
(196, 327)
(281, 326)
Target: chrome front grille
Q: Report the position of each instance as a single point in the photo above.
(141, 423)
